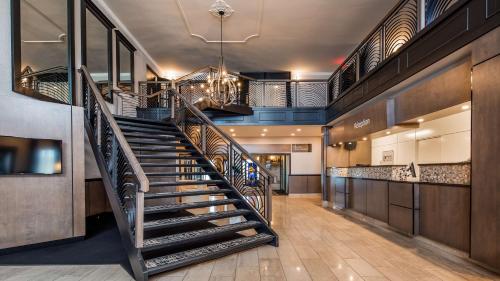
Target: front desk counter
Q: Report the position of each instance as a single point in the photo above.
(437, 211)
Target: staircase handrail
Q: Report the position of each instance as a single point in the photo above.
(142, 181)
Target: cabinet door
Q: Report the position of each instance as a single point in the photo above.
(377, 199)
(359, 195)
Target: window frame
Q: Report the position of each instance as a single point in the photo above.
(92, 8)
(15, 16)
(121, 39)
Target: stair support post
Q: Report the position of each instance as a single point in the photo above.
(231, 164)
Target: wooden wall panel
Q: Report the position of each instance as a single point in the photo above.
(445, 214)
(485, 202)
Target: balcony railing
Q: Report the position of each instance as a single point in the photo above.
(405, 21)
(287, 93)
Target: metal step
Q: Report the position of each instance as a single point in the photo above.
(149, 136)
(166, 131)
(170, 165)
(170, 262)
(181, 183)
(162, 149)
(184, 206)
(144, 125)
(159, 143)
(186, 220)
(197, 235)
(141, 120)
(166, 157)
(161, 174)
(185, 193)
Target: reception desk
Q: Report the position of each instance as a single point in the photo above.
(439, 211)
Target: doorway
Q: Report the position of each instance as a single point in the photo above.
(279, 165)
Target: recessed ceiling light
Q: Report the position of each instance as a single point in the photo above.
(349, 143)
(340, 143)
(231, 130)
(299, 129)
(234, 135)
(420, 120)
(292, 134)
(465, 107)
(365, 138)
(263, 134)
(387, 133)
(264, 130)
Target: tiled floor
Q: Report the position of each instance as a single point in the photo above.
(315, 244)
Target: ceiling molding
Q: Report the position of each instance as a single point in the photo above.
(191, 33)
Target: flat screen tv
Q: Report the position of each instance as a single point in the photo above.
(24, 156)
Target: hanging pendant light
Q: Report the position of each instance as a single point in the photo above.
(222, 89)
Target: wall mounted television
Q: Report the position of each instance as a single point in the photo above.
(26, 156)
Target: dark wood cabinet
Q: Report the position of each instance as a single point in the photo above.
(377, 199)
(341, 199)
(445, 214)
(300, 184)
(358, 195)
(402, 207)
(401, 218)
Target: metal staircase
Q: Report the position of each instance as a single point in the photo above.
(179, 188)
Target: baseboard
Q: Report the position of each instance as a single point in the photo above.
(12, 250)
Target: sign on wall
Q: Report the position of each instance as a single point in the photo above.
(301, 147)
(388, 157)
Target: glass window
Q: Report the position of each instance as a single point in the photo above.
(96, 49)
(41, 49)
(124, 63)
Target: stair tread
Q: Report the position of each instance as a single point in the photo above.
(185, 237)
(151, 136)
(158, 143)
(168, 262)
(178, 221)
(166, 156)
(141, 120)
(190, 205)
(161, 149)
(185, 193)
(170, 165)
(174, 174)
(166, 131)
(179, 183)
(144, 125)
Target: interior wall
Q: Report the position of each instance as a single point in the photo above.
(443, 140)
(302, 163)
(341, 157)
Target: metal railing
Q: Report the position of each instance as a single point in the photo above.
(288, 93)
(51, 83)
(405, 21)
(128, 180)
(231, 160)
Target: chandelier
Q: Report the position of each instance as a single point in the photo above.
(222, 89)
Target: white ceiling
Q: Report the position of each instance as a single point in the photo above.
(272, 131)
(293, 35)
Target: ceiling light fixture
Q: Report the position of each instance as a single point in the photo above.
(292, 134)
(420, 120)
(234, 135)
(263, 135)
(387, 133)
(231, 130)
(465, 107)
(365, 138)
(264, 130)
(299, 130)
(223, 90)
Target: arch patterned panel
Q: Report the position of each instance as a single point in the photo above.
(348, 74)
(370, 55)
(310, 94)
(435, 8)
(401, 27)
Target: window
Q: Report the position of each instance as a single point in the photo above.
(42, 52)
(124, 62)
(96, 47)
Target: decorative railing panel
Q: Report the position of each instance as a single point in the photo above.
(399, 27)
(52, 83)
(249, 177)
(127, 177)
(287, 93)
(435, 8)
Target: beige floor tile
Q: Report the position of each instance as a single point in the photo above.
(363, 268)
(318, 270)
